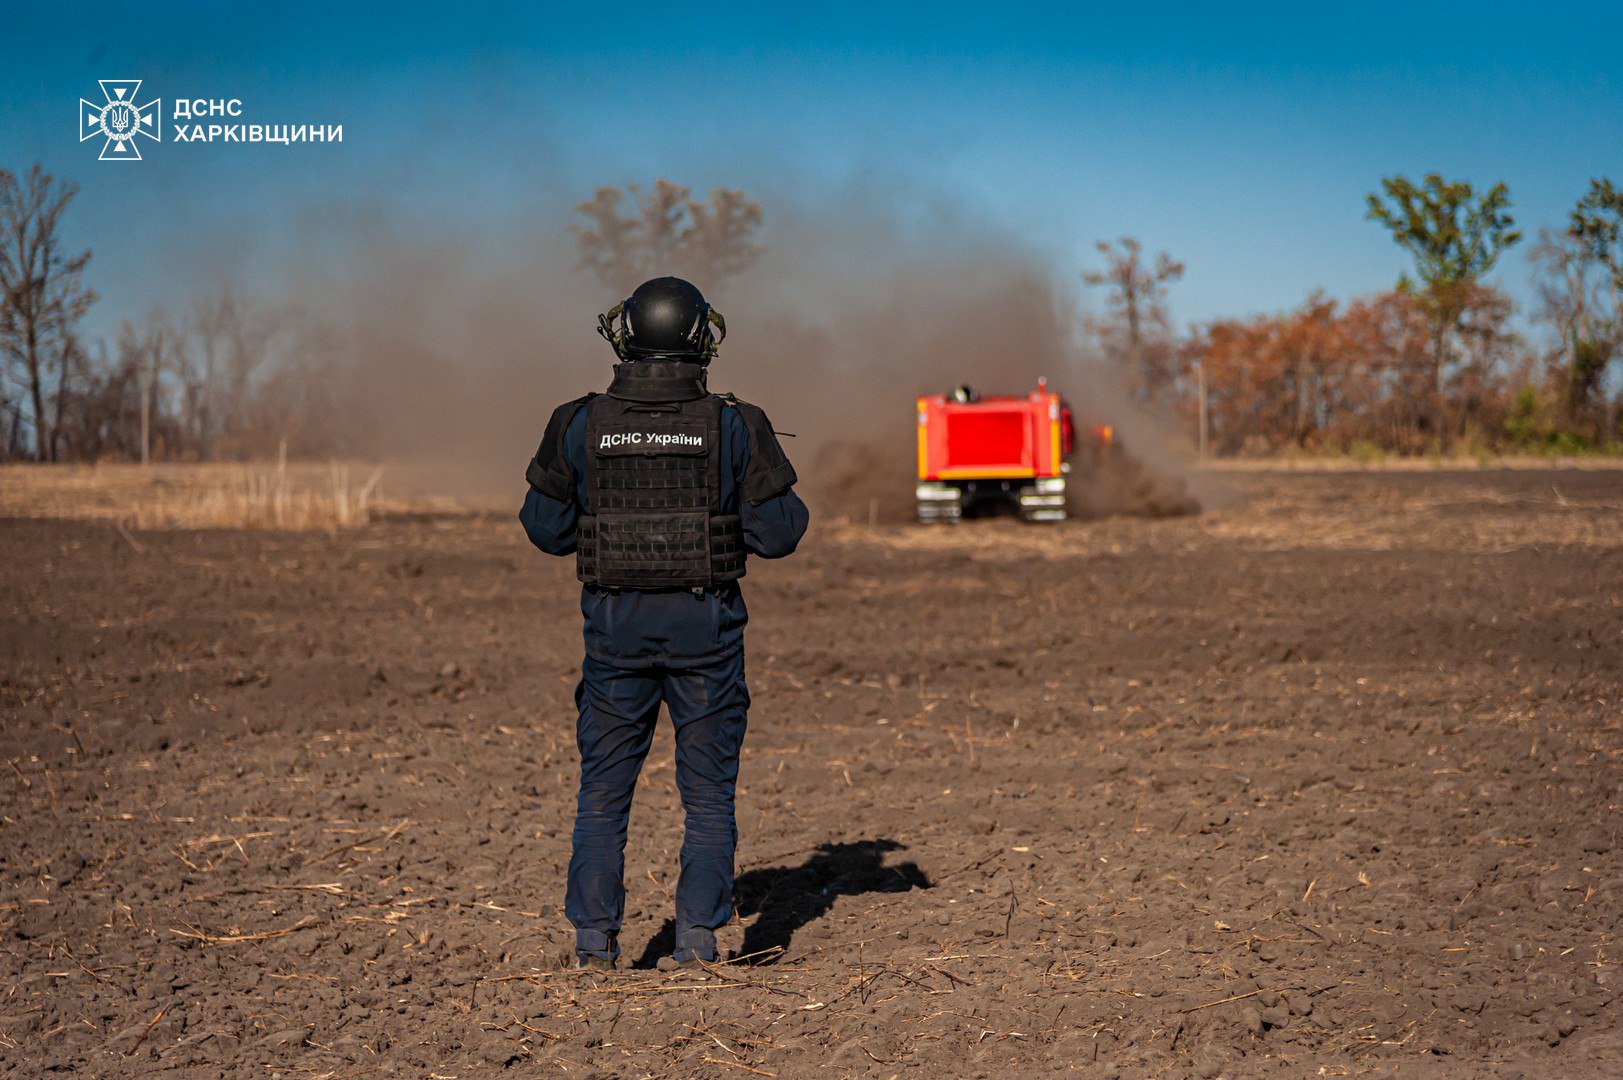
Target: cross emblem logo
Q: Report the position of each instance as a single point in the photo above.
(120, 120)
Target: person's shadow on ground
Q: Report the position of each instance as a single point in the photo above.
(788, 897)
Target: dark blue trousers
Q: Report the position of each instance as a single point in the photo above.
(708, 705)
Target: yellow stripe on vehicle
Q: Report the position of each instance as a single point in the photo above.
(924, 443)
(1012, 473)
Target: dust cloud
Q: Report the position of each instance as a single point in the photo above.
(452, 353)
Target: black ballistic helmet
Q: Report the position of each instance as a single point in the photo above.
(665, 317)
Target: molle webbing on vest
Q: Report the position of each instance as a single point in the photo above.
(654, 491)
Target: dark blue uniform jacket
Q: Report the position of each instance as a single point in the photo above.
(675, 629)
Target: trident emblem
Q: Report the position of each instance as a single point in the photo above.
(120, 120)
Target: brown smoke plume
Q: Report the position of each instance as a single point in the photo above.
(459, 349)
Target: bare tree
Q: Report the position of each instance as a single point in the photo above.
(302, 401)
(11, 423)
(1137, 330)
(146, 355)
(233, 334)
(225, 381)
(1569, 301)
(95, 413)
(73, 370)
(719, 240)
(215, 360)
(611, 244)
(42, 296)
(666, 231)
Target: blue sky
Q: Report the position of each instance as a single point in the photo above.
(1242, 138)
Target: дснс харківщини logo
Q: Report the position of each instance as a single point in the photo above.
(120, 119)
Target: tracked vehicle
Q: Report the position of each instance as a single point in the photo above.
(996, 454)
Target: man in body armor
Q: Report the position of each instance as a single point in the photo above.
(660, 489)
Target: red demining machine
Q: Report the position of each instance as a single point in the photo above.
(995, 454)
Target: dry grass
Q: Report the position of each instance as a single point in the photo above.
(210, 496)
(1394, 463)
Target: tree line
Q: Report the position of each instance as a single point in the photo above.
(224, 378)
(229, 377)
(1433, 363)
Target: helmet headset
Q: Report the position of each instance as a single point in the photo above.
(664, 318)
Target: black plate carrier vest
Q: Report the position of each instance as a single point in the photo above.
(653, 482)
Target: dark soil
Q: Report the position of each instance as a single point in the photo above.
(1323, 783)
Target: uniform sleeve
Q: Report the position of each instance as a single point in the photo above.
(768, 472)
(773, 527)
(550, 512)
(549, 523)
